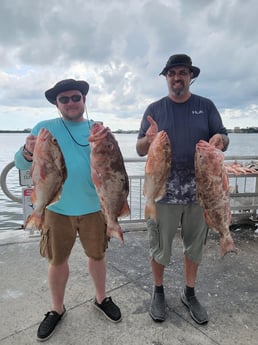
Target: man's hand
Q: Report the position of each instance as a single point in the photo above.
(152, 130)
(143, 144)
(29, 146)
(220, 141)
(30, 142)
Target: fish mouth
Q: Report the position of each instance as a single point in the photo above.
(98, 132)
(44, 135)
(96, 127)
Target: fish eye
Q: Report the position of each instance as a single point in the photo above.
(110, 146)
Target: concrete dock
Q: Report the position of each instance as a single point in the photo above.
(228, 288)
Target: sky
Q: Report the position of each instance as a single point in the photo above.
(120, 47)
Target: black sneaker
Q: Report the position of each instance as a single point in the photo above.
(109, 309)
(158, 306)
(48, 325)
(197, 311)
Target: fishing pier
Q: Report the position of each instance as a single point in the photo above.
(227, 288)
(243, 191)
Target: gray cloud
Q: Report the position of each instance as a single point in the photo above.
(120, 48)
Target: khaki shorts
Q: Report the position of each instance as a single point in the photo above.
(59, 234)
(193, 231)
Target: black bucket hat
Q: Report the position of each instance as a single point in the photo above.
(66, 85)
(181, 60)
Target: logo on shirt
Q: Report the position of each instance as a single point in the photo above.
(197, 112)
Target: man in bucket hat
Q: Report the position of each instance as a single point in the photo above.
(181, 60)
(78, 209)
(187, 118)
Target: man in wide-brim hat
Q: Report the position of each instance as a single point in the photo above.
(77, 211)
(187, 118)
(181, 60)
(66, 85)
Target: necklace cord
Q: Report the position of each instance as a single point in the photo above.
(69, 132)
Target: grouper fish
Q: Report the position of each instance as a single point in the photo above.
(109, 177)
(213, 192)
(157, 169)
(48, 172)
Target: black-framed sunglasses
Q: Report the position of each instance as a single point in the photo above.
(66, 99)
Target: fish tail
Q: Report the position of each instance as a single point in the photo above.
(115, 231)
(227, 245)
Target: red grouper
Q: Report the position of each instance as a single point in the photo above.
(48, 173)
(213, 192)
(109, 177)
(157, 169)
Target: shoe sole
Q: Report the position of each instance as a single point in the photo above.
(50, 335)
(98, 308)
(192, 316)
(156, 319)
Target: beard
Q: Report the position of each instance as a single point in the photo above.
(178, 91)
(74, 115)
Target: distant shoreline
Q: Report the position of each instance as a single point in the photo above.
(132, 131)
(29, 130)
(15, 131)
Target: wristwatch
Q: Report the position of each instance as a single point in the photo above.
(27, 153)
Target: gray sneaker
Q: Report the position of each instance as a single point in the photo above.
(158, 306)
(196, 310)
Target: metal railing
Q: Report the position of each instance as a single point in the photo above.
(244, 189)
(136, 199)
(243, 192)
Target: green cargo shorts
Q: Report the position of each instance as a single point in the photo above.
(170, 217)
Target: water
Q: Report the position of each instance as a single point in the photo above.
(11, 213)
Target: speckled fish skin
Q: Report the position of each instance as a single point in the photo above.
(157, 169)
(213, 192)
(48, 173)
(109, 177)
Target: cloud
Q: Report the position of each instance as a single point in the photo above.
(120, 49)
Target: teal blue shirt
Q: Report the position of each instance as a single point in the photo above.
(78, 195)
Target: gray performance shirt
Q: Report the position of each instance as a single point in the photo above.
(186, 124)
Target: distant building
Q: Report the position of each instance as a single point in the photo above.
(246, 130)
(237, 129)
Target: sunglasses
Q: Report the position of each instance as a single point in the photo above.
(66, 99)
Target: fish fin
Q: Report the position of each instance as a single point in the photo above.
(95, 178)
(150, 210)
(160, 193)
(43, 171)
(208, 220)
(55, 199)
(35, 220)
(227, 245)
(225, 184)
(125, 210)
(33, 197)
(115, 231)
(147, 181)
